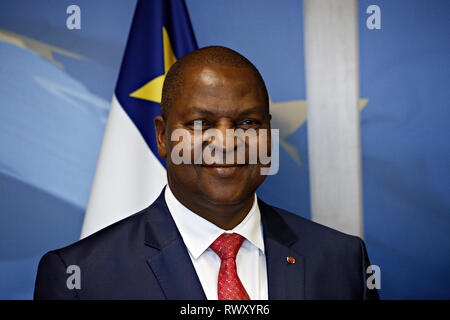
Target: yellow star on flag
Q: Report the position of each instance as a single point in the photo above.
(153, 89)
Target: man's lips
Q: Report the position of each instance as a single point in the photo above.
(223, 170)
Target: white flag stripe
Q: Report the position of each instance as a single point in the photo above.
(128, 177)
(332, 91)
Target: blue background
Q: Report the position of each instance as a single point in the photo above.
(52, 120)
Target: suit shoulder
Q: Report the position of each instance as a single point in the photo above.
(313, 231)
(105, 240)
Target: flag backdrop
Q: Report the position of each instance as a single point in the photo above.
(130, 174)
(405, 74)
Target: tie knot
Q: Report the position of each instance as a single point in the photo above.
(227, 245)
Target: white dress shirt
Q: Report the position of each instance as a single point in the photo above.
(198, 234)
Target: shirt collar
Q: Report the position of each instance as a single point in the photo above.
(198, 233)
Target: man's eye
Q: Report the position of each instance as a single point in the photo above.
(200, 123)
(248, 122)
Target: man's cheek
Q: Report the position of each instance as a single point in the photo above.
(181, 147)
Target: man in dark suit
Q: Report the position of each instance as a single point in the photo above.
(208, 236)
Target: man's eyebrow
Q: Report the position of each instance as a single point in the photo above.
(198, 110)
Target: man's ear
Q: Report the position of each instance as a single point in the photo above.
(160, 129)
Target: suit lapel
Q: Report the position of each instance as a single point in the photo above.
(168, 256)
(285, 280)
(176, 275)
(169, 260)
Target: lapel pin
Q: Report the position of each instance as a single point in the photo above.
(290, 260)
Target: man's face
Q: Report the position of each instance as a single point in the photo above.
(221, 98)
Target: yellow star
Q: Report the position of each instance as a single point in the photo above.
(288, 116)
(44, 50)
(153, 89)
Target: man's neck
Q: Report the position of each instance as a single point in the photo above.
(225, 216)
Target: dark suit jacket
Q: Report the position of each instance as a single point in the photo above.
(144, 257)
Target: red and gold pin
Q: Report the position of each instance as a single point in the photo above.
(290, 260)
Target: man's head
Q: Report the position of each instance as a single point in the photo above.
(223, 90)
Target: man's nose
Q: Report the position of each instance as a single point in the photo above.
(221, 138)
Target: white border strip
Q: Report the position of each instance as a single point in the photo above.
(128, 177)
(332, 90)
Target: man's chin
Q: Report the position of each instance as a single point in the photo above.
(223, 197)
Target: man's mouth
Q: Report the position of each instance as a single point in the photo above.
(223, 170)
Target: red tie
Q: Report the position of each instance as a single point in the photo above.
(229, 287)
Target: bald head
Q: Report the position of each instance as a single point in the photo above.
(204, 57)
